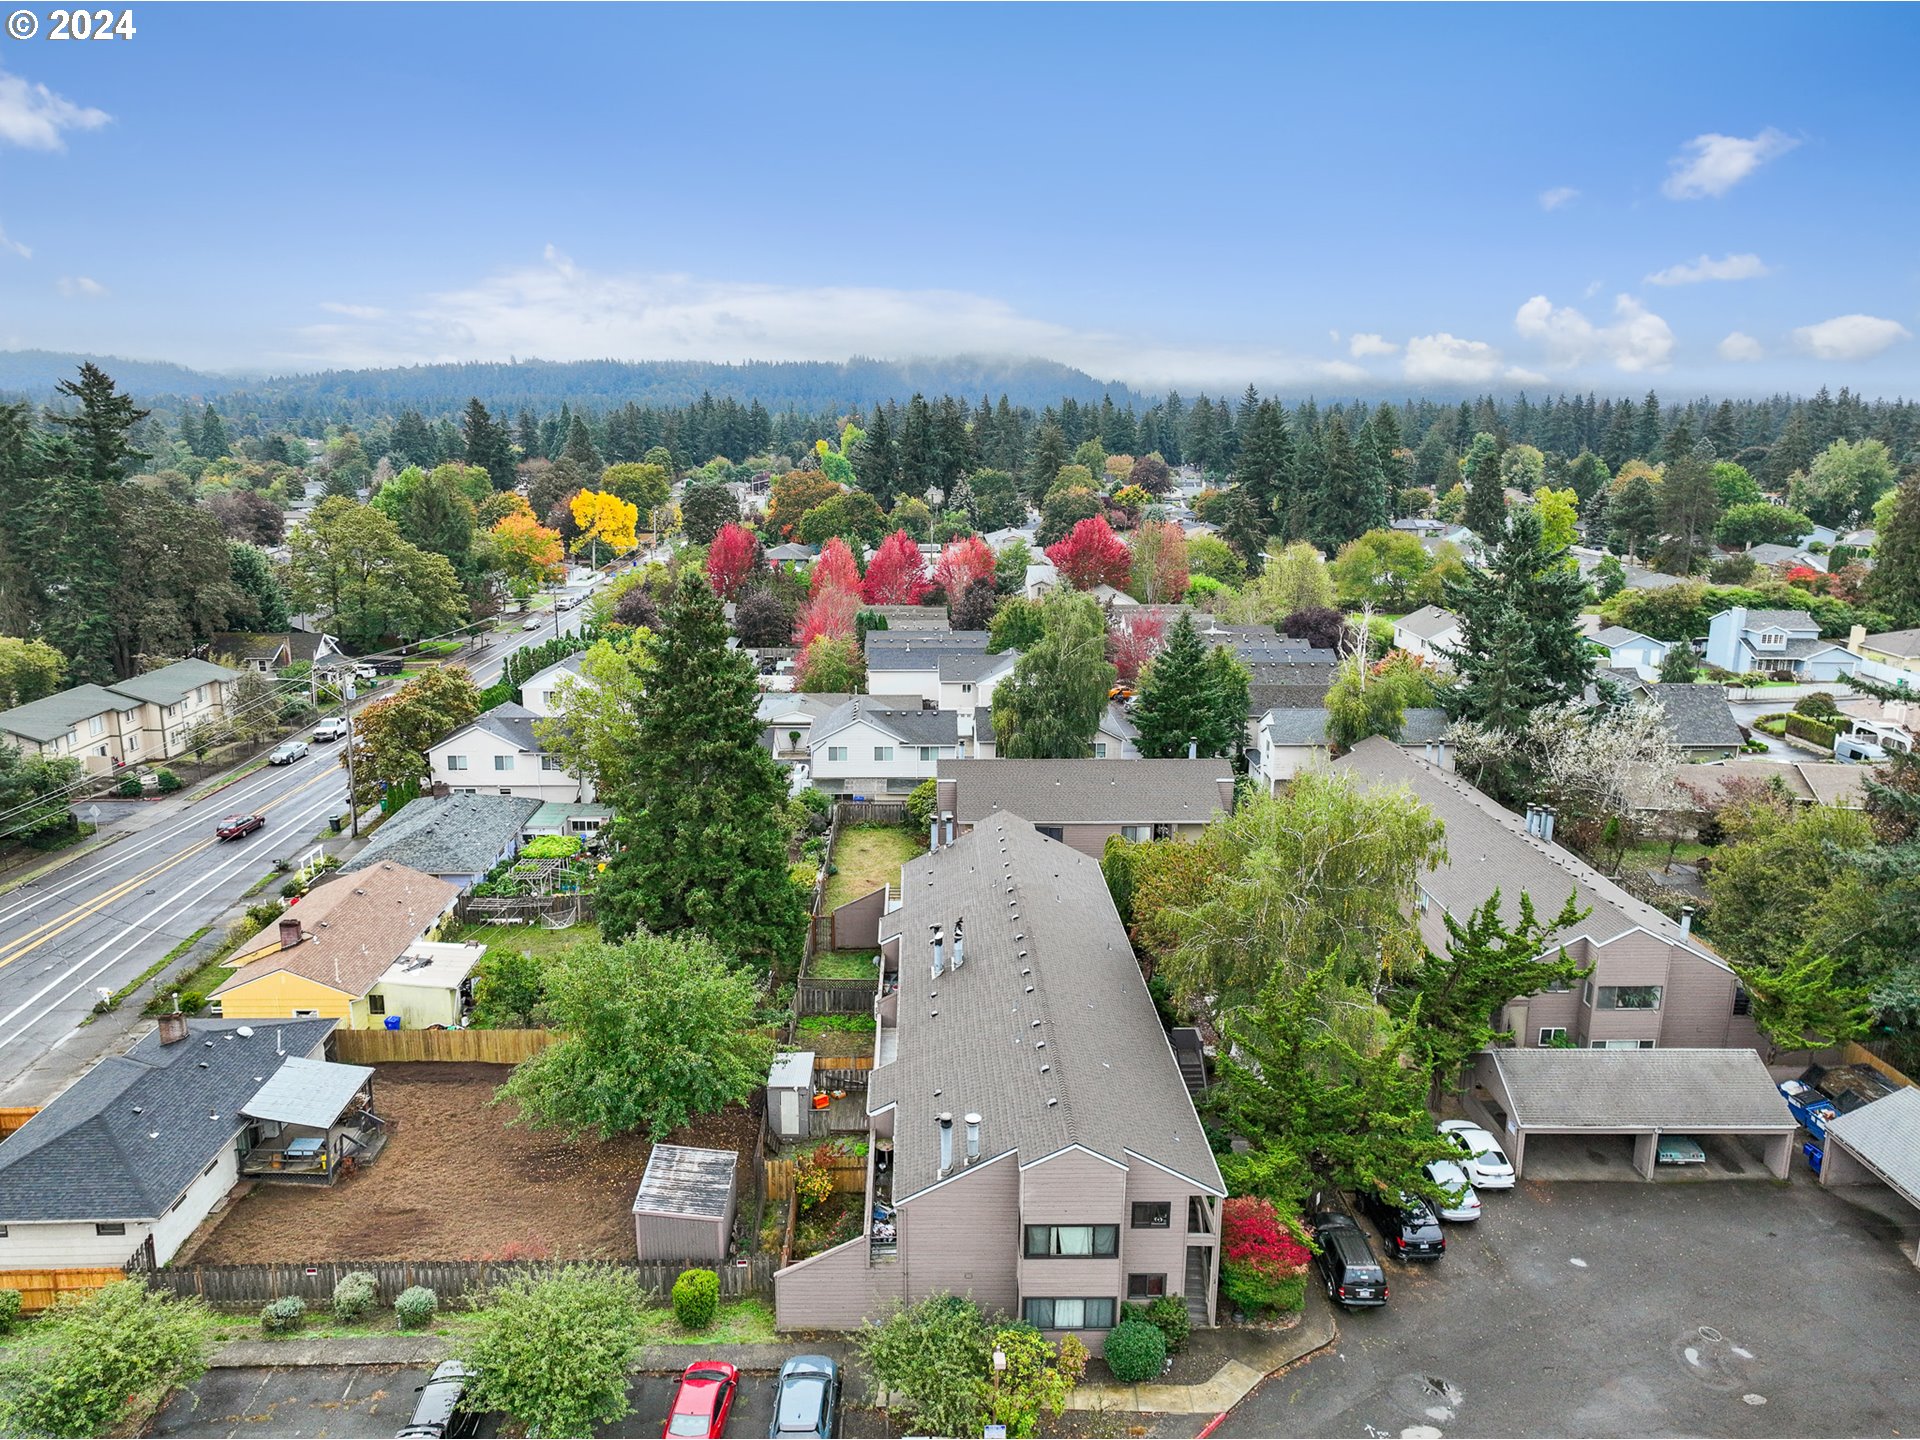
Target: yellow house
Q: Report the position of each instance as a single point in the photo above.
(1895, 649)
(328, 956)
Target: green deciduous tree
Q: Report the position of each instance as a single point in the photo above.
(1050, 706)
(350, 564)
(659, 1030)
(1294, 578)
(552, 1351)
(1843, 481)
(29, 670)
(1761, 523)
(1393, 570)
(595, 728)
(394, 732)
(705, 509)
(936, 1356)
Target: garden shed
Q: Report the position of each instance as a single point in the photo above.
(790, 1094)
(684, 1209)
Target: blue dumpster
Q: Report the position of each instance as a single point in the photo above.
(393, 1022)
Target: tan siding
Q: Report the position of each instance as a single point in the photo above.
(1074, 1188)
(964, 1237)
(1697, 1010)
(835, 1290)
(1088, 839)
(1157, 1251)
(1632, 960)
(662, 1237)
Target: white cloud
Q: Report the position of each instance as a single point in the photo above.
(1728, 267)
(1361, 346)
(1738, 346)
(34, 118)
(1445, 359)
(560, 310)
(80, 287)
(1850, 337)
(1520, 376)
(1637, 340)
(1714, 164)
(1344, 370)
(1560, 195)
(1594, 287)
(7, 242)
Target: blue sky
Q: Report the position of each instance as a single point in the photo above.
(1345, 199)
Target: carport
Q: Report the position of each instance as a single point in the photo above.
(1636, 1094)
(1880, 1142)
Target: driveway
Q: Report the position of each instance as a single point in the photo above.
(1743, 1309)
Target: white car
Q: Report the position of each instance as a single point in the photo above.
(1482, 1159)
(1462, 1203)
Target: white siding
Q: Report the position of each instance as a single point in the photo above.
(859, 771)
(171, 1230)
(68, 1245)
(915, 685)
(525, 776)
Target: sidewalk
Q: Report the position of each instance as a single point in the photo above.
(416, 1350)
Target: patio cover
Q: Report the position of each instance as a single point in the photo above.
(308, 1092)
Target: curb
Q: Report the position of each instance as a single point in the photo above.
(410, 1350)
(78, 853)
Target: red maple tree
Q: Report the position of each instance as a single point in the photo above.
(829, 613)
(732, 559)
(895, 575)
(1134, 640)
(1092, 555)
(835, 569)
(961, 563)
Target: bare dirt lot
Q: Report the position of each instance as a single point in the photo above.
(457, 1182)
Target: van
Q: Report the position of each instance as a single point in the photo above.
(1348, 1267)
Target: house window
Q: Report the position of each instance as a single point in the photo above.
(110, 1227)
(1146, 1287)
(376, 1004)
(133, 741)
(1052, 832)
(96, 725)
(1630, 997)
(836, 752)
(1558, 987)
(1742, 1001)
(552, 762)
(1163, 831)
(883, 752)
(1552, 1034)
(506, 790)
(1586, 993)
(1058, 1242)
(306, 1014)
(929, 752)
(3, 1232)
(1152, 1214)
(1136, 833)
(1622, 1045)
(1772, 639)
(1099, 749)
(966, 689)
(1089, 1314)
(503, 762)
(456, 762)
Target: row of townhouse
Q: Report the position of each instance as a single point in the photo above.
(143, 720)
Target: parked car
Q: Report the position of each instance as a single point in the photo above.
(1348, 1267)
(1484, 1162)
(234, 826)
(1462, 1203)
(534, 624)
(287, 752)
(807, 1399)
(702, 1399)
(1678, 1150)
(1407, 1223)
(331, 728)
(438, 1412)
(373, 669)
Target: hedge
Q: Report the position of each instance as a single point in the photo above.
(1812, 731)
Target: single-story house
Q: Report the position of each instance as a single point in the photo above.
(998, 540)
(1639, 1095)
(499, 753)
(1426, 632)
(582, 822)
(1700, 719)
(1291, 738)
(325, 956)
(1043, 1152)
(1747, 641)
(1041, 577)
(428, 985)
(1880, 1142)
(1897, 650)
(1788, 556)
(1630, 650)
(868, 748)
(1086, 802)
(143, 720)
(1814, 782)
(791, 553)
(270, 654)
(457, 838)
(1638, 577)
(129, 1159)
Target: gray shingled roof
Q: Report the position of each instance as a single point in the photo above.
(1614, 1090)
(1886, 1135)
(1781, 619)
(454, 835)
(971, 666)
(1488, 846)
(1423, 723)
(1427, 622)
(686, 1180)
(916, 618)
(1278, 650)
(52, 716)
(125, 1139)
(1905, 643)
(972, 1040)
(171, 684)
(1698, 715)
(1296, 725)
(909, 727)
(1614, 636)
(920, 649)
(510, 722)
(1089, 792)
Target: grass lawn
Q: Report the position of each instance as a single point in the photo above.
(865, 857)
(535, 940)
(744, 1322)
(843, 965)
(852, 1035)
(1655, 851)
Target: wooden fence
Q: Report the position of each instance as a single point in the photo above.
(12, 1117)
(849, 1177)
(40, 1288)
(817, 923)
(1851, 1053)
(244, 1286)
(834, 997)
(486, 1047)
(871, 812)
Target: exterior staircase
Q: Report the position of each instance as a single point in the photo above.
(1196, 1287)
(1191, 1058)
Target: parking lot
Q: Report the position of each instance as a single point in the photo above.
(1731, 1309)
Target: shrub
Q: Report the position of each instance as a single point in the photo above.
(292, 889)
(696, 1298)
(416, 1307)
(128, 787)
(9, 1310)
(168, 781)
(1818, 706)
(812, 1182)
(1135, 1351)
(1169, 1316)
(1812, 731)
(1262, 1261)
(552, 1351)
(920, 805)
(262, 915)
(283, 1316)
(354, 1295)
(551, 847)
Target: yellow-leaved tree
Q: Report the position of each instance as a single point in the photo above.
(604, 518)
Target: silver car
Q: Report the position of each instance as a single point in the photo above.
(288, 752)
(1462, 1203)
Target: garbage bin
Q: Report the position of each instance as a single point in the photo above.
(393, 1022)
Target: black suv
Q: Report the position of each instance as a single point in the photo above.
(1348, 1267)
(1410, 1228)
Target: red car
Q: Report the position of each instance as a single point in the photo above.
(701, 1402)
(234, 826)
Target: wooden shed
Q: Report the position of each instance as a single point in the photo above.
(684, 1209)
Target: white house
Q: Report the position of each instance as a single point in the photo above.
(540, 691)
(1041, 577)
(905, 667)
(1426, 631)
(1117, 738)
(789, 718)
(865, 748)
(498, 755)
(1749, 641)
(1291, 738)
(1630, 650)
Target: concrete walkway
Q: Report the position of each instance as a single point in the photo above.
(1259, 1354)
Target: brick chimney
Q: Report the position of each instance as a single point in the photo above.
(289, 931)
(173, 1028)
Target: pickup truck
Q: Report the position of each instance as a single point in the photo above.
(234, 826)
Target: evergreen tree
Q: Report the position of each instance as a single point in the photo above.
(526, 435)
(1266, 467)
(1647, 433)
(86, 463)
(189, 430)
(1520, 642)
(1689, 510)
(1188, 697)
(414, 442)
(877, 460)
(1049, 455)
(1486, 490)
(487, 445)
(1894, 584)
(1352, 498)
(580, 449)
(1633, 513)
(702, 843)
(214, 442)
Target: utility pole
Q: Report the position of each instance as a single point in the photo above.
(353, 803)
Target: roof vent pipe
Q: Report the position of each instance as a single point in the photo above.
(933, 834)
(973, 1137)
(959, 920)
(1686, 921)
(1440, 750)
(948, 817)
(939, 958)
(946, 1141)
(1547, 812)
(1533, 819)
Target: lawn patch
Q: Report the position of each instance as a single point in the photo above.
(865, 857)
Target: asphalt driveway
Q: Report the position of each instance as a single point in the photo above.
(1722, 1309)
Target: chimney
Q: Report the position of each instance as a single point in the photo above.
(1547, 812)
(939, 959)
(1856, 637)
(958, 922)
(173, 1025)
(946, 1141)
(1429, 752)
(1440, 753)
(289, 931)
(1686, 921)
(973, 1137)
